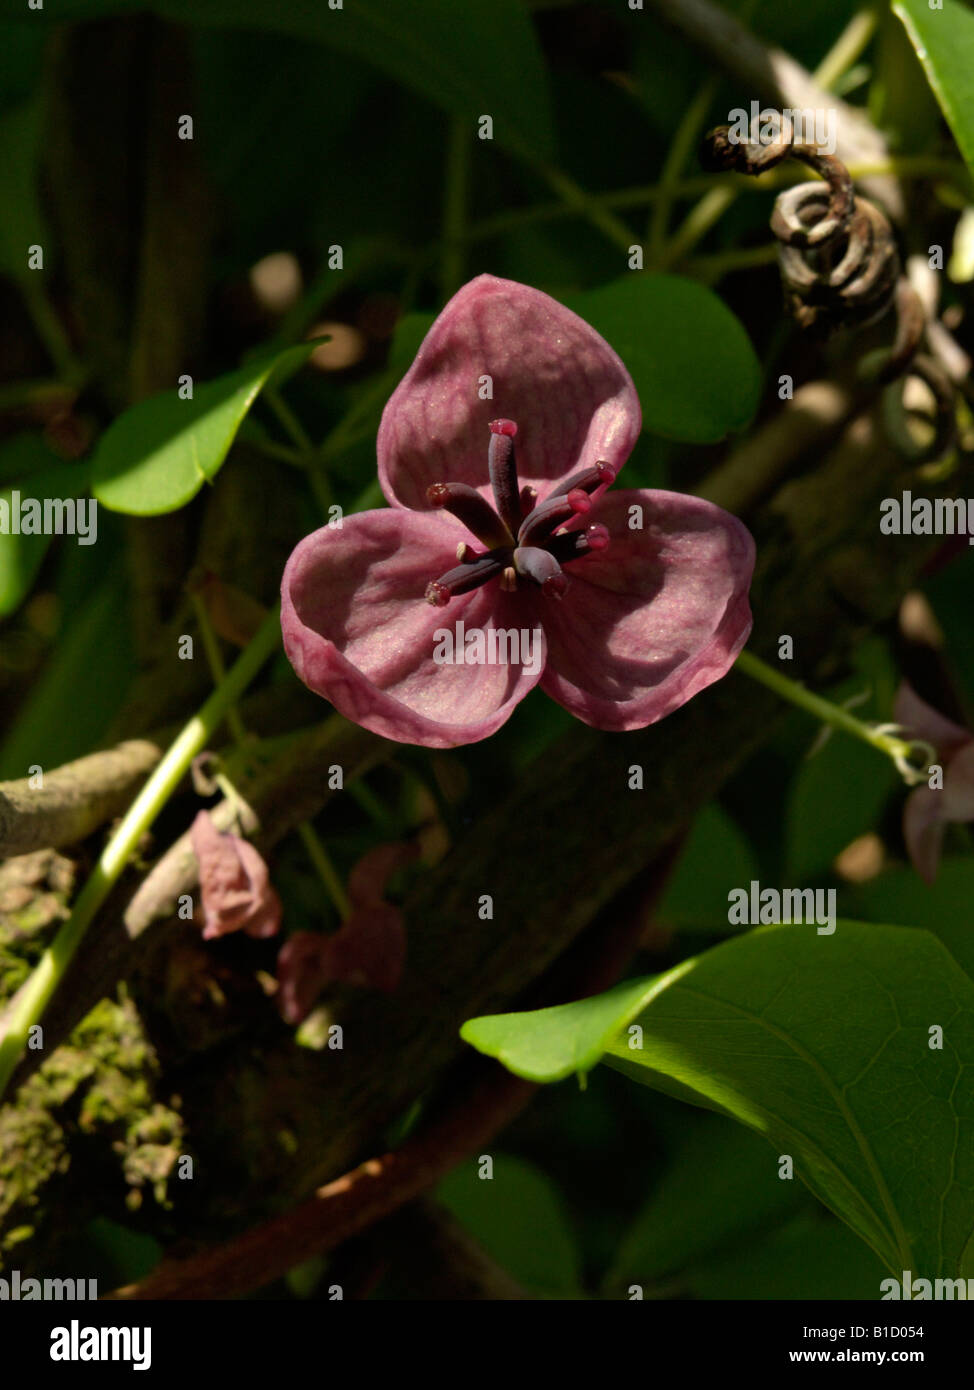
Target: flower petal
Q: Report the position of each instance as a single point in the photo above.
(368, 879)
(924, 722)
(301, 974)
(569, 393)
(234, 883)
(958, 791)
(358, 631)
(924, 820)
(651, 620)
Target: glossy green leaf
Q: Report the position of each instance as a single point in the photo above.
(944, 43)
(157, 456)
(550, 1044)
(691, 360)
(822, 1044)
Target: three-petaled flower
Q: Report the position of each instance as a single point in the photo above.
(635, 599)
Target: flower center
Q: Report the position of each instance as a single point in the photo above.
(523, 542)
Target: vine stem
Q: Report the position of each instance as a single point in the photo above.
(29, 1003)
(316, 851)
(897, 749)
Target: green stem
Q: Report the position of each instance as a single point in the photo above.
(289, 421)
(217, 669)
(588, 206)
(676, 158)
(848, 47)
(898, 749)
(28, 1004)
(325, 869)
(316, 850)
(52, 334)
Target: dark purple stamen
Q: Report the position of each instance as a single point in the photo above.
(542, 567)
(541, 547)
(552, 513)
(587, 479)
(470, 575)
(572, 545)
(476, 513)
(503, 473)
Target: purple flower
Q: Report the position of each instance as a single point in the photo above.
(368, 950)
(505, 526)
(928, 809)
(234, 883)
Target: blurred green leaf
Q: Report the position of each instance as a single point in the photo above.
(717, 857)
(32, 471)
(409, 332)
(721, 1183)
(157, 455)
(79, 689)
(481, 60)
(820, 1044)
(899, 894)
(693, 364)
(519, 1218)
(836, 795)
(811, 1257)
(944, 43)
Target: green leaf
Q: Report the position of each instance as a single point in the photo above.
(720, 1185)
(944, 43)
(691, 360)
(837, 794)
(810, 1257)
(899, 894)
(550, 1044)
(30, 469)
(81, 686)
(520, 1220)
(481, 59)
(716, 859)
(157, 456)
(821, 1044)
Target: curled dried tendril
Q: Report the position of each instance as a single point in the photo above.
(839, 262)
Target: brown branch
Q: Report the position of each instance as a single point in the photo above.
(75, 799)
(341, 1208)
